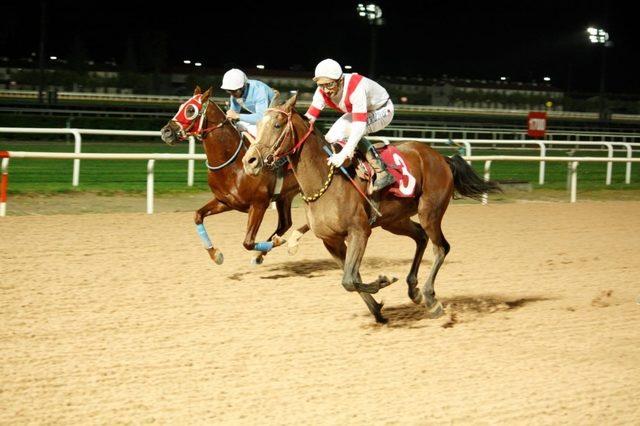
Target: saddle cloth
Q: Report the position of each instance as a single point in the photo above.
(405, 184)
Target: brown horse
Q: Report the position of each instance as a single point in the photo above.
(340, 216)
(232, 188)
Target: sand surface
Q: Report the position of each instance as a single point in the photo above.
(110, 318)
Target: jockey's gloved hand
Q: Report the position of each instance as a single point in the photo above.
(232, 115)
(337, 159)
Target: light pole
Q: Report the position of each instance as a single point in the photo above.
(601, 37)
(373, 14)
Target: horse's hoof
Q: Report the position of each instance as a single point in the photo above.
(292, 248)
(278, 241)
(381, 320)
(257, 260)
(216, 255)
(416, 297)
(436, 310)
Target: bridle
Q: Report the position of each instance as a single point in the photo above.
(200, 133)
(275, 155)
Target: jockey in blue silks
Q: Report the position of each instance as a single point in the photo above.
(252, 96)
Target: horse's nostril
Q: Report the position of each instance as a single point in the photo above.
(252, 160)
(269, 159)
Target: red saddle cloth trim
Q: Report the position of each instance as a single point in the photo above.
(386, 154)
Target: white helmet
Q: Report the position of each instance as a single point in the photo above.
(327, 70)
(233, 79)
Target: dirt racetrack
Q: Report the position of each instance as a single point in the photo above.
(122, 318)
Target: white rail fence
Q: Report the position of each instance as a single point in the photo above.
(543, 145)
(77, 148)
(151, 159)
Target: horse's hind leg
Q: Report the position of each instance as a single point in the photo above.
(414, 231)
(212, 207)
(430, 215)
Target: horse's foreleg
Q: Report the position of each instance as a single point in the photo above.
(351, 281)
(294, 239)
(212, 207)
(256, 214)
(414, 231)
(283, 207)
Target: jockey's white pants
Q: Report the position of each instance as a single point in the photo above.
(376, 121)
(243, 126)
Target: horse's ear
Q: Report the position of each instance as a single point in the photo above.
(291, 102)
(197, 91)
(276, 99)
(206, 94)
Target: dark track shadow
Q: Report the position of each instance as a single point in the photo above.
(312, 268)
(457, 310)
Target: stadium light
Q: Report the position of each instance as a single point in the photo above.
(347, 67)
(597, 35)
(260, 67)
(198, 64)
(547, 78)
(186, 61)
(373, 14)
(600, 37)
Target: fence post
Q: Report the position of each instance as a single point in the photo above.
(627, 175)
(487, 176)
(574, 180)
(609, 163)
(543, 153)
(150, 165)
(75, 180)
(4, 184)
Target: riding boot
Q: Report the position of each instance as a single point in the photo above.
(383, 177)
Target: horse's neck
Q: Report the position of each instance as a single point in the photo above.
(220, 143)
(310, 164)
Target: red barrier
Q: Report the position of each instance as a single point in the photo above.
(4, 183)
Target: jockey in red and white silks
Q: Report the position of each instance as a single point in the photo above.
(367, 109)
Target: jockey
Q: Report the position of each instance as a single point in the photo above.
(251, 95)
(366, 107)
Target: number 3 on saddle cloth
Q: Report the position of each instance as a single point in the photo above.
(405, 184)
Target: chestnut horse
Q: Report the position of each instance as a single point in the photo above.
(340, 215)
(232, 188)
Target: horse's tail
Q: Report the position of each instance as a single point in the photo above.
(466, 181)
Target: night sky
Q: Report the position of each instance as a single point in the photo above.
(524, 40)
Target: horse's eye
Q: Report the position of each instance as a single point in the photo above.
(191, 112)
(277, 125)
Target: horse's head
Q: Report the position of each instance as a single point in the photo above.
(189, 120)
(276, 137)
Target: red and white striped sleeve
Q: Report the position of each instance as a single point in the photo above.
(317, 105)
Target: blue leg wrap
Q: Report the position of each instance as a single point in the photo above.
(202, 233)
(263, 246)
